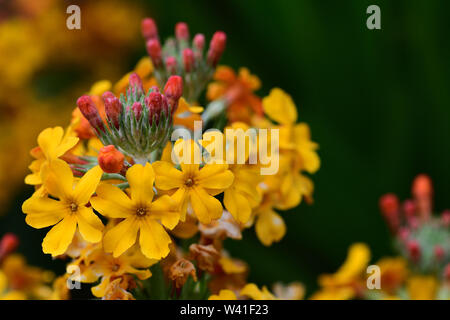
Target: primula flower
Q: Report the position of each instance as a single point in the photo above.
(69, 211)
(269, 225)
(52, 144)
(140, 213)
(194, 185)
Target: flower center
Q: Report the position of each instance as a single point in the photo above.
(115, 267)
(73, 207)
(189, 182)
(141, 211)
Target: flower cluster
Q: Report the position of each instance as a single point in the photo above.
(422, 269)
(132, 208)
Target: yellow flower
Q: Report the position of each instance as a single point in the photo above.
(393, 273)
(344, 283)
(53, 143)
(252, 291)
(422, 287)
(140, 213)
(195, 186)
(269, 225)
(67, 212)
(223, 295)
(277, 98)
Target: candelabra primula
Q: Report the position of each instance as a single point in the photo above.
(422, 269)
(134, 212)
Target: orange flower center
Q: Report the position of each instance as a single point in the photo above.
(189, 182)
(73, 207)
(141, 211)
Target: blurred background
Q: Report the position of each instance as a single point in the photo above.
(377, 102)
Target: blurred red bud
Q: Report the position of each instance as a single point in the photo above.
(414, 250)
(171, 65)
(137, 109)
(188, 59)
(389, 206)
(135, 82)
(110, 159)
(422, 190)
(8, 244)
(216, 47)
(90, 112)
(148, 29)
(154, 51)
(439, 252)
(199, 41)
(445, 218)
(182, 31)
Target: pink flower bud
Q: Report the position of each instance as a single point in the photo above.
(389, 206)
(445, 218)
(188, 59)
(135, 82)
(439, 252)
(173, 90)
(8, 244)
(181, 31)
(199, 42)
(414, 250)
(409, 209)
(403, 234)
(110, 159)
(90, 112)
(137, 109)
(216, 47)
(154, 51)
(171, 65)
(148, 29)
(113, 107)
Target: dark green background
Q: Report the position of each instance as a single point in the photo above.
(377, 103)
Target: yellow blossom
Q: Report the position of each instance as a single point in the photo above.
(67, 212)
(422, 287)
(139, 213)
(224, 295)
(252, 291)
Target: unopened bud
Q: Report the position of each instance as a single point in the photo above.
(90, 112)
(445, 218)
(171, 65)
(136, 82)
(8, 244)
(422, 190)
(216, 47)
(182, 31)
(188, 59)
(447, 272)
(409, 209)
(110, 159)
(199, 42)
(154, 51)
(439, 252)
(389, 206)
(414, 250)
(403, 234)
(137, 109)
(148, 29)
(113, 107)
(173, 90)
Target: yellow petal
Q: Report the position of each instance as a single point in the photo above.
(167, 177)
(166, 210)
(224, 295)
(43, 212)
(238, 205)
(85, 188)
(270, 227)
(141, 181)
(49, 139)
(279, 106)
(112, 202)
(154, 240)
(215, 176)
(58, 179)
(60, 236)
(66, 144)
(205, 206)
(121, 237)
(100, 289)
(89, 224)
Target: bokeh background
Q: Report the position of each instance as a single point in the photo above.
(377, 102)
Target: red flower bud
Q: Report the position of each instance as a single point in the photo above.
(422, 190)
(90, 112)
(445, 218)
(171, 65)
(199, 41)
(188, 59)
(181, 31)
(447, 272)
(389, 206)
(110, 159)
(8, 244)
(216, 47)
(409, 208)
(154, 51)
(414, 250)
(113, 107)
(403, 234)
(173, 90)
(135, 82)
(439, 252)
(137, 109)
(148, 29)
